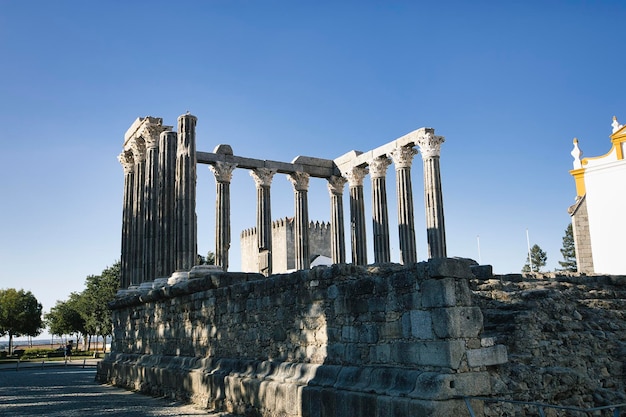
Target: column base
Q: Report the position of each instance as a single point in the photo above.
(177, 277)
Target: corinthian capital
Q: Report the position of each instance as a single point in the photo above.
(126, 159)
(378, 166)
(336, 184)
(403, 156)
(355, 176)
(223, 171)
(300, 180)
(430, 145)
(263, 176)
(138, 148)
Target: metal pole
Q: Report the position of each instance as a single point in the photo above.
(478, 242)
(530, 260)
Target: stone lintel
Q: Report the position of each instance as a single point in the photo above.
(357, 158)
(138, 123)
(325, 170)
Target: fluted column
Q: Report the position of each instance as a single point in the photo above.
(138, 148)
(150, 135)
(430, 147)
(300, 181)
(338, 240)
(357, 215)
(126, 159)
(223, 172)
(403, 158)
(263, 180)
(166, 247)
(380, 218)
(186, 234)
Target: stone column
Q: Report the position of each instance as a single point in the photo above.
(166, 248)
(138, 148)
(338, 240)
(380, 218)
(150, 135)
(263, 180)
(223, 172)
(357, 215)
(430, 147)
(186, 237)
(126, 159)
(403, 158)
(300, 181)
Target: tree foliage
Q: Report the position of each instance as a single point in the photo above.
(208, 260)
(568, 251)
(87, 312)
(20, 314)
(538, 258)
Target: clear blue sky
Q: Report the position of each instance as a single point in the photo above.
(508, 83)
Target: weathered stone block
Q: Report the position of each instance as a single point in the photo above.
(457, 322)
(487, 356)
(438, 386)
(448, 268)
(447, 354)
(417, 324)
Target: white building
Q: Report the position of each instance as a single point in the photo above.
(598, 214)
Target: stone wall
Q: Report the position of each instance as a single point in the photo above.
(384, 340)
(565, 335)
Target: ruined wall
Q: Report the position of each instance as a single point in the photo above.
(332, 341)
(565, 335)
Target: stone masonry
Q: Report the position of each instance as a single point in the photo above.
(384, 340)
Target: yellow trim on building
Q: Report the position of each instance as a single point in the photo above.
(618, 138)
(579, 179)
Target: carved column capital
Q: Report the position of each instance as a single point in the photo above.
(403, 156)
(150, 134)
(300, 180)
(378, 166)
(336, 184)
(138, 148)
(126, 159)
(430, 145)
(355, 176)
(263, 176)
(223, 171)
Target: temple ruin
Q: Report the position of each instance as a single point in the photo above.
(384, 339)
(159, 234)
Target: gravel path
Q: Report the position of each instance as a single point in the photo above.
(71, 391)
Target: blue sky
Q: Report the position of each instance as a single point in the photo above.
(508, 83)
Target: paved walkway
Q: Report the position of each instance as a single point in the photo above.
(56, 389)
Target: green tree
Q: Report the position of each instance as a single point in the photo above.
(67, 317)
(208, 260)
(99, 291)
(568, 251)
(20, 314)
(538, 258)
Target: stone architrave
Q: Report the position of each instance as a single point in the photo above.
(263, 180)
(185, 231)
(138, 148)
(166, 247)
(300, 181)
(357, 215)
(126, 159)
(430, 148)
(402, 159)
(150, 134)
(380, 218)
(338, 240)
(223, 172)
